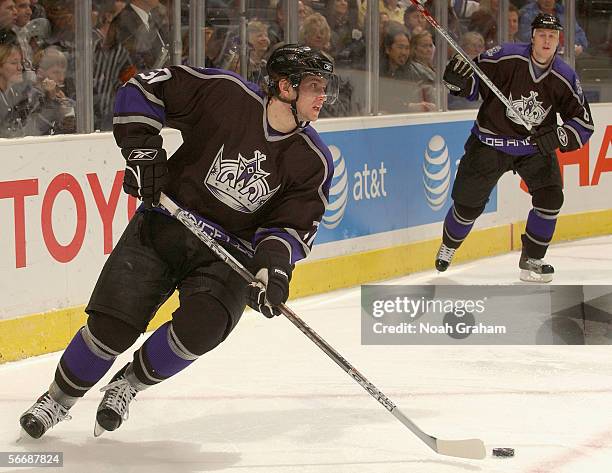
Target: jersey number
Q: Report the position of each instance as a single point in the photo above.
(157, 75)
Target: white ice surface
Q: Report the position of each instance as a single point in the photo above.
(268, 400)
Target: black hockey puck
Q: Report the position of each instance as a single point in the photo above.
(503, 452)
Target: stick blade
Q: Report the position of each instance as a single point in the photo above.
(469, 448)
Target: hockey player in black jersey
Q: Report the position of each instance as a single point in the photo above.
(539, 85)
(258, 177)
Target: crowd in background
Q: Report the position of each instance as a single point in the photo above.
(37, 49)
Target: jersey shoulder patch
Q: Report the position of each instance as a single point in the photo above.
(505, 50)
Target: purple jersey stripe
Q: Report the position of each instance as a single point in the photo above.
(584, 133)
(297, 250)
(562, 68)
(162, 359)
(130, 101)
(83, 363)
(211, 71)
(316, 139)
(475, 92)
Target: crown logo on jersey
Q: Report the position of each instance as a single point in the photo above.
(239, 183)
(530, 108)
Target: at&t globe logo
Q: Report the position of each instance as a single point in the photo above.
(338, 193)
(436, 172)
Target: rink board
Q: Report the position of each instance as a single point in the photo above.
(62, 210)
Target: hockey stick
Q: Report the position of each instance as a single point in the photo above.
(469, 448)
(432, 21)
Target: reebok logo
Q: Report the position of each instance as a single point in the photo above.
(142, 155)
(281, 272)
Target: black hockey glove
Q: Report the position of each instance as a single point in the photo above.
(457, 76)
(146, 173)
(273, 273)
(549, 138)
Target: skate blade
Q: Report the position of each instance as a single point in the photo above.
(530, 276)
(98, 430)
(24, 436)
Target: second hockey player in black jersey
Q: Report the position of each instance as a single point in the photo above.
(539, 85)
(258, 176)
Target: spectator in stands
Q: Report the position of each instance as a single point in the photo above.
(276, 31)
(315, 6)
(455, 27)
(421, 58)
(142, 33)
(513, 24)
(394, 8)
(161, 18)
(395, 51)
(24, 15)
(119, 6)
(259, 43)
(408, 95)
(472, 43)
(343, 18)
(16, 99)
(112, 67)
(533, 9)
(38, 11)
(8, 14)
(24, 12)
(61, 17)
(520, 3)
(465, 8)
(54, 111)
(104, 17)
(316, 33)
(215, 34)
(415, 21)
(37, 32)
(484, 21)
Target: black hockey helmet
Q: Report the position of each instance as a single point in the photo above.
(547, 22)
(294, 62)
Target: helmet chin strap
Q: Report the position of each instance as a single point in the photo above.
(294, 112)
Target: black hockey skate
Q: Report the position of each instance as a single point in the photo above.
(535, 270)
(115, 405)
(444, 257)
(43, 415)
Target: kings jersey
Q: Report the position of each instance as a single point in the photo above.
(251, 184)
(538, 95)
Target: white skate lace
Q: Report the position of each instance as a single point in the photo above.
(445, 253)
(49, 412)
(534, 264)
(118, 396)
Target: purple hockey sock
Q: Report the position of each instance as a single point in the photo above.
(456, 228)
(161, 356)
(84, 362)
(540, 226)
